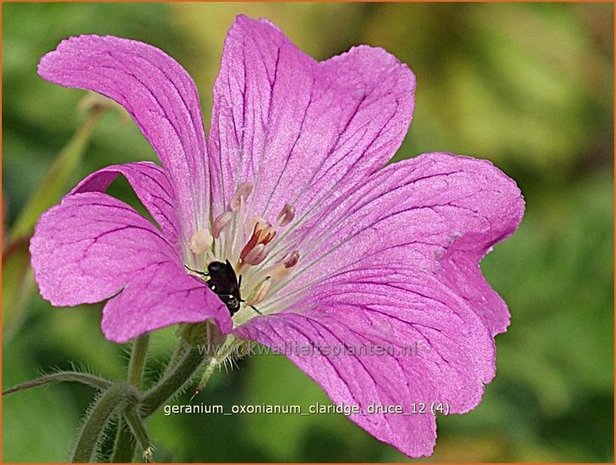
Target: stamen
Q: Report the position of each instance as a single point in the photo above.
(283, 268)
(292, 259)
(220, 222)
(200, 242)
(260, 292)
(286, 215)
(267, 234)
(246, 240)
(256, 255)
(261, 234)
(252, 222)
(240, 195)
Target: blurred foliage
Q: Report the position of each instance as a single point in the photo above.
(529, 86)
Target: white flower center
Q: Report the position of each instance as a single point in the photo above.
(246, 241)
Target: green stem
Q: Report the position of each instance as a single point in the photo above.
(172, 382)
(219, 357)
(181, 350)
(51, 188)
(124, 448)
(84, 378)
(134, 420)
(136, 364)
(88, 439)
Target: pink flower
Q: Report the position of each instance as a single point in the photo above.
(334, 248)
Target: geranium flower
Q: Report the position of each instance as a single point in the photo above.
(334, 248)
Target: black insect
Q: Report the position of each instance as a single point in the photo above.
(224, 283)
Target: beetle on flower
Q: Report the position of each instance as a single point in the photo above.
(330, 246)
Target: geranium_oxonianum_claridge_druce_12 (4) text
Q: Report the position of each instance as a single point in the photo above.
(285, 225)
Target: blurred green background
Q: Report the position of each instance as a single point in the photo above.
(529, 86)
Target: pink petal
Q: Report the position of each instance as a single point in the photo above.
(438, 213)
(332, 343)
(161, 296)
(303, 132)
(376, 270)
(92, 247)
(159, 95)
(435, 350)
(151, 185)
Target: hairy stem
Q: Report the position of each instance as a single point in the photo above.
(181, 350)
(222, 352)
(75, 376)
(172, 382)
(136, 364)
(137, 426)
(113, 399)
(124, 448)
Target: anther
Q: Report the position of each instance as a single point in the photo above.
(220, 222)
(200, 242)
(292, 259)
(252, 222)
(261, 235)
(241, 194)
(283, 268)
(286, 215)
(256, 255)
